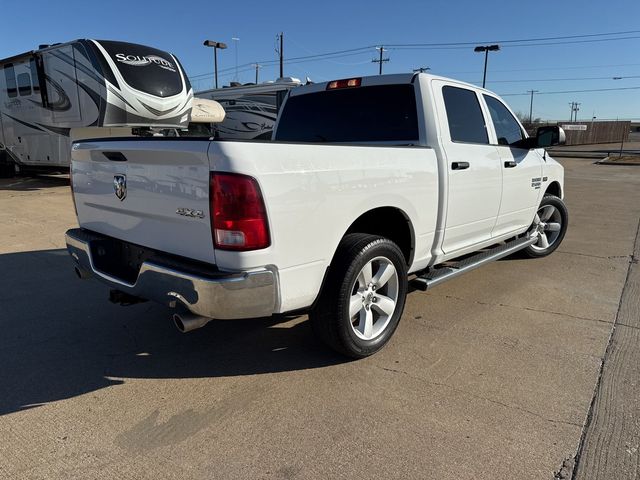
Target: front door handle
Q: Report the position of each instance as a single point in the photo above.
(510, 164)
(459, 165)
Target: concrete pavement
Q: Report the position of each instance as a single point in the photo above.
(489, 376)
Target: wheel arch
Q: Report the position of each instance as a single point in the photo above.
(554, 189)
(389, 222)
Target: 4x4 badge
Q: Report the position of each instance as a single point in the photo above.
(120, 186)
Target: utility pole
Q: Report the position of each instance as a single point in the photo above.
(281, 52)
(421, 69)
(531, 105)
(574, 111)
(571, 116)
(380, 60)
(258, 66)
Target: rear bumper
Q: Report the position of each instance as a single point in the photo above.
(171, 282)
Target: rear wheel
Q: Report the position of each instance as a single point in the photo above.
(549, 226)
(364, 296)
(6, 167)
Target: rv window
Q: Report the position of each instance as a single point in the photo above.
(24, 84)
(10, 77)
(35, 81)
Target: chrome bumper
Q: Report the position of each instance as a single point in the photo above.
(215, 294)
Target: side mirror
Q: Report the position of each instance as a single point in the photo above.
(550, 136)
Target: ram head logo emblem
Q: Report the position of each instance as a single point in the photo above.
(120, 186)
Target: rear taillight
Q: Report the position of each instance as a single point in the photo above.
(238, 215)
(73, 196)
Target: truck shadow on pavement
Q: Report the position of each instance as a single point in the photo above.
(33, 183)
(62, 338)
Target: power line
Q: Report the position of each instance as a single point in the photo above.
(565, 79)
(563, 37)
(436, 46)
(460, 45)
(538, 69)
(573, 91)
(287, 61)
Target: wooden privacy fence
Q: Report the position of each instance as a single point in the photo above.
(583, 133)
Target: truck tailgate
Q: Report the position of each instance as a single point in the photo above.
(151, 192)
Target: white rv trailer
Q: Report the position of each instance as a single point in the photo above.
(84, 88)
(251, 110)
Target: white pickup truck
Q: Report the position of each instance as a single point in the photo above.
(369, 183)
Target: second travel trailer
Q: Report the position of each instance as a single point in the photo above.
(82, 89)
(251, 110)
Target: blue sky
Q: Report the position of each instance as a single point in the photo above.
(327, 26)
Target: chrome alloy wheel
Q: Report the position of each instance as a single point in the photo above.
(547, 225)
(374, 295)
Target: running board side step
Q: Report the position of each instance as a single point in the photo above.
(442, 274)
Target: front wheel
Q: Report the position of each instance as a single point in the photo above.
(364, 296)
(549, 227)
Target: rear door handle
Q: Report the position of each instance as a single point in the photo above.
(510, 164)
(115, 156)
(459, 165)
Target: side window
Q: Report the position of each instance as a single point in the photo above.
(24, 84)
(466, 121)
(35, 79)
(507, 128)
(10, 77)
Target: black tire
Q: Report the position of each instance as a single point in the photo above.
(6, 167)
(560, 214)
(330, 317)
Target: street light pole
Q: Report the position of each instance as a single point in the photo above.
(531, 106)
(216, 46)
(486, 49)
(236, 40)
(257, 65)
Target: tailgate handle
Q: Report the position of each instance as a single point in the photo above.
(115, 156)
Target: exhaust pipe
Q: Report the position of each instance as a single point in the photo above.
(185, 322)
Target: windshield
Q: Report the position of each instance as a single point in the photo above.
(385, 113)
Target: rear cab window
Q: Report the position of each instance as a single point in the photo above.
(368, 114)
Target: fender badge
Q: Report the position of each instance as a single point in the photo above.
(188, 212)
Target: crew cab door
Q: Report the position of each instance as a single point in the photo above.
(473, 168)
(521, 169)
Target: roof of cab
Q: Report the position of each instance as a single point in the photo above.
(389, 79)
